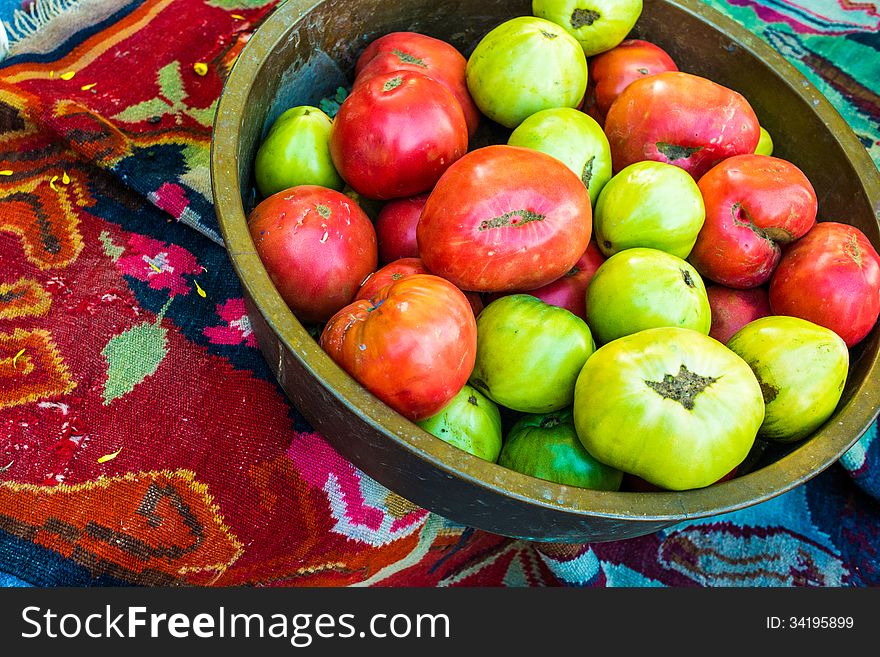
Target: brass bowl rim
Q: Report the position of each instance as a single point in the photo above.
(816, 454)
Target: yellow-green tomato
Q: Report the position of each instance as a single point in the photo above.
(765, 144)
(523, 66)
(598, 25)
(651, 204)
(670, 405)
(641, 288)
(470, 422)
(296, 151)
(574, 138)
(546, 446)
(802, 368)
(529, 353)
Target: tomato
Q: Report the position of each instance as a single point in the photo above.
(682, 119)
(639, 288)
(396, 228)
(669, 405)
(523, 66)
(296, 151)
(572, 137)
(413, 345)
(765, 144)
(546, 446)
(529, 353)
(396, 134)
(391, 272)
(802, 369)
(317, 246)
(614, 70)
(505, 218)
(411, 51)
(639, 485)
(570, 290)
(401, 268)
(471, 421)
(830, 277)
(754, 204)
(649, 204)
(732, 309)
(598, 26)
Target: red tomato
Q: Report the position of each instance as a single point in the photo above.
(570, 291)
(401, 268)
(388, 274)
(413, 345)
(317, 246)
(396, 228)
(732, 309)
(396, 134)
(754, 203)
(505, 218)
(830, 277)
(614, 70)
(411, 51)
(682, 119)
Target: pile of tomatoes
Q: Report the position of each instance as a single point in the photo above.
(580, 262)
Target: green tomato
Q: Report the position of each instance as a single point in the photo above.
(670, 405)
(642, 288)
(470, 422)
(651, 204)
(802, 368)
(765, 144)
(529, 353)
(523, 66)
(598, 25)
(296, 151)
(546, 446)
(572, 137)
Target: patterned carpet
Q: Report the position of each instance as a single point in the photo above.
(143, 440)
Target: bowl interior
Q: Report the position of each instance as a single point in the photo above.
(307, 49)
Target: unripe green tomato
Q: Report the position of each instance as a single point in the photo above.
(765, 144)
(470, 422)
(598, 25)
(802, 368)
(295, 152)
(641, 288)
(523, 66)
(672, 406)
(529, 353)
(650, 204)
(547, 446)
(572, 137)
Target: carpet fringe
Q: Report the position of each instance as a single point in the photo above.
(28, 22)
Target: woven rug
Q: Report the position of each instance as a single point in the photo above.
(143, 440)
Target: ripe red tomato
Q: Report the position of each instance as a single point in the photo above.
(570, 290)
(411, 51)
(830, 277)
(682, 119)
(505, 218)
(401, 268)
(396, 228)
(396, 134)
(413, 345)
(391, 272)
(614, 70)
(754, 204)
(317, 245)
(732, 309)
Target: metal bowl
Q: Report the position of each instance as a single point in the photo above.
(306, 49)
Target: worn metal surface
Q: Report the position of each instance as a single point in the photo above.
(306, 49)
